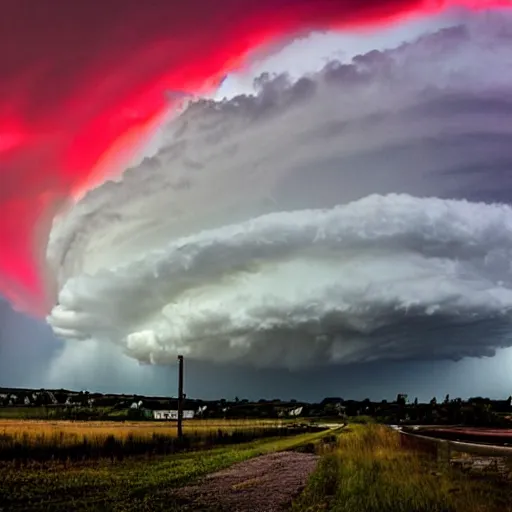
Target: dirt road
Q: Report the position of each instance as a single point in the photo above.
(263, 484)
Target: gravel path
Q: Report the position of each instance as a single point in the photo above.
(263, 484)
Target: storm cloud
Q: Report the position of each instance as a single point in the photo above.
(349, 216)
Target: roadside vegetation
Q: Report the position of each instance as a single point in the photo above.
(369, 471)
(138, 483)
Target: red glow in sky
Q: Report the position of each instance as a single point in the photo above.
(82, 81)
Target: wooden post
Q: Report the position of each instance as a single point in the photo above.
(180, 397)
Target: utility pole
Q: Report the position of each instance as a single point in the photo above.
(181, 397)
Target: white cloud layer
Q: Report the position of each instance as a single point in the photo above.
(320, 221)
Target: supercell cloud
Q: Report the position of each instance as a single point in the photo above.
(351, 215)
(82, 85)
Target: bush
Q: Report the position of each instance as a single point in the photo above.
(361, 420)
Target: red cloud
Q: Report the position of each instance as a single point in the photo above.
(82, 81)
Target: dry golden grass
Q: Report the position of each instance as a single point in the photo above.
(30, 441)
(74, 432)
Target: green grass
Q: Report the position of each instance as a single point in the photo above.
(361, 420)
(370, 472)
(23, 412)
(136, 484)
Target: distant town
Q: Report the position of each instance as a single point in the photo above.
(83, 405)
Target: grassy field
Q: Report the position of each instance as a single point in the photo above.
(366, 470)
(28, 440)
(132, 485)
(370, 472)
(76, 431)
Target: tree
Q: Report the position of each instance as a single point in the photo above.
(401, 399)
(433, 401)
(447, 399)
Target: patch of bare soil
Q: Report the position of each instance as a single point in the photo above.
(263, 484)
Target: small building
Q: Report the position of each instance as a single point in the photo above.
(172, 415)
(158, 410)
(292, 412)
(165, 415)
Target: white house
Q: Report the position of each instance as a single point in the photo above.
(172, 415)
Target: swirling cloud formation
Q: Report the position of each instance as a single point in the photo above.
(351, 215)
(83, 84)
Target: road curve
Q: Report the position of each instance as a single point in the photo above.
(448, 438)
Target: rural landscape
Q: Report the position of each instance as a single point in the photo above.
(65, 450)
(308, 200)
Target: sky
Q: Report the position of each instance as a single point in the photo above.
(323, 223)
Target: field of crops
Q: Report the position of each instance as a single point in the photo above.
(70, 432)
(29, 440)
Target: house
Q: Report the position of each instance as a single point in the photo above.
(165, 415)
(172, 415)
(292, 412)
(162, 410)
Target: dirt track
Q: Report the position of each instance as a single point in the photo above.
(263, 484)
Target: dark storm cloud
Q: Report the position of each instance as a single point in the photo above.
(424, 130)
(83, 84)
(354, 241)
